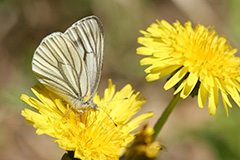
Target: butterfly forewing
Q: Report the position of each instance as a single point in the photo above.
(87, 36)
(60, 68)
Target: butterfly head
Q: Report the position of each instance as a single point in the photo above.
(94, 106)
(89, 104)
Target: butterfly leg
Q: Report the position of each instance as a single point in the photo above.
(67, 111)
(81, 112)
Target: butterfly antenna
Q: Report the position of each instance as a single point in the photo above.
(108, 102)
(108, 116)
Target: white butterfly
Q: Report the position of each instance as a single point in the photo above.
(69, 64)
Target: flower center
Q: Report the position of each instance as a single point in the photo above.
(205, 52)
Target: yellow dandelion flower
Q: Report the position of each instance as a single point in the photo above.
(91, 135)
(197, 58)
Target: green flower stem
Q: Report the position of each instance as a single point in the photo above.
(162, 120)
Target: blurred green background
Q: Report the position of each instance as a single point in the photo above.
(190, 133)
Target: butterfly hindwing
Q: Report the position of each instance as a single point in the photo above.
(59, 66)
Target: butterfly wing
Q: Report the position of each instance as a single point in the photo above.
(87, 36)
(58, 65)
